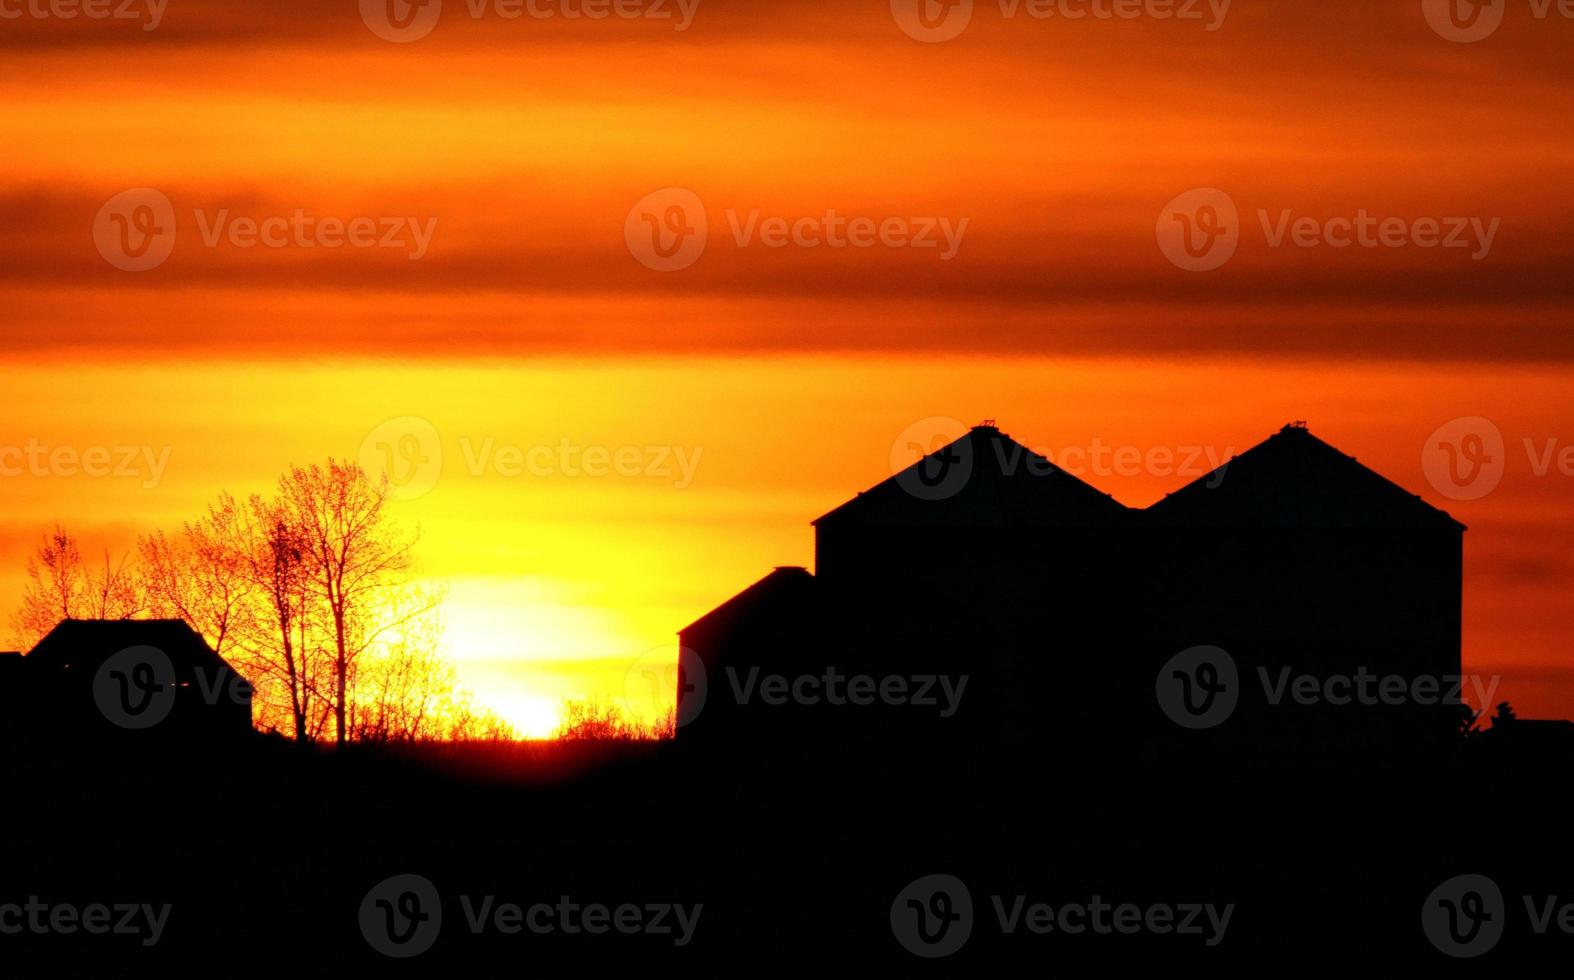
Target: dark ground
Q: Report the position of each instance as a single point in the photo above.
(265, 855)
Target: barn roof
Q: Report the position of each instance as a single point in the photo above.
(788, 587)
(983, 479)
(89, 642)
(1296, 480)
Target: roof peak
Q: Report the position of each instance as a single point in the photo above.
(1295, 479)
(982, 477)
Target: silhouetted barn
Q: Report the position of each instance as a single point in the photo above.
(982, 563)
(13, 693)
(1299, 562)
(777, 620)
(1061, 605)
(110, 680)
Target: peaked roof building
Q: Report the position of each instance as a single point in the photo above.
(84, 644)
(96, 680)
(982, 558)
(983, 479)
(786, 587)
(1296, 480)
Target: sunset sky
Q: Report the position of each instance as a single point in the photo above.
(508, 312)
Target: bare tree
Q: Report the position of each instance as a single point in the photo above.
(399, 691)
(60, 586)
(309, 593)
(114, 591)
(356, 560)
(202, 575)
(54, 584)
(469, 723)
(285, 642)
(599, 719)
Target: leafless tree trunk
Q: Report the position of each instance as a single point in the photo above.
(357, 558)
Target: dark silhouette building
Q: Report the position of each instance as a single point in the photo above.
(1309, 568)
(98, 681)
(1062, 608)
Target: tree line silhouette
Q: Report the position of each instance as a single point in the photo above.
(310, 592)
